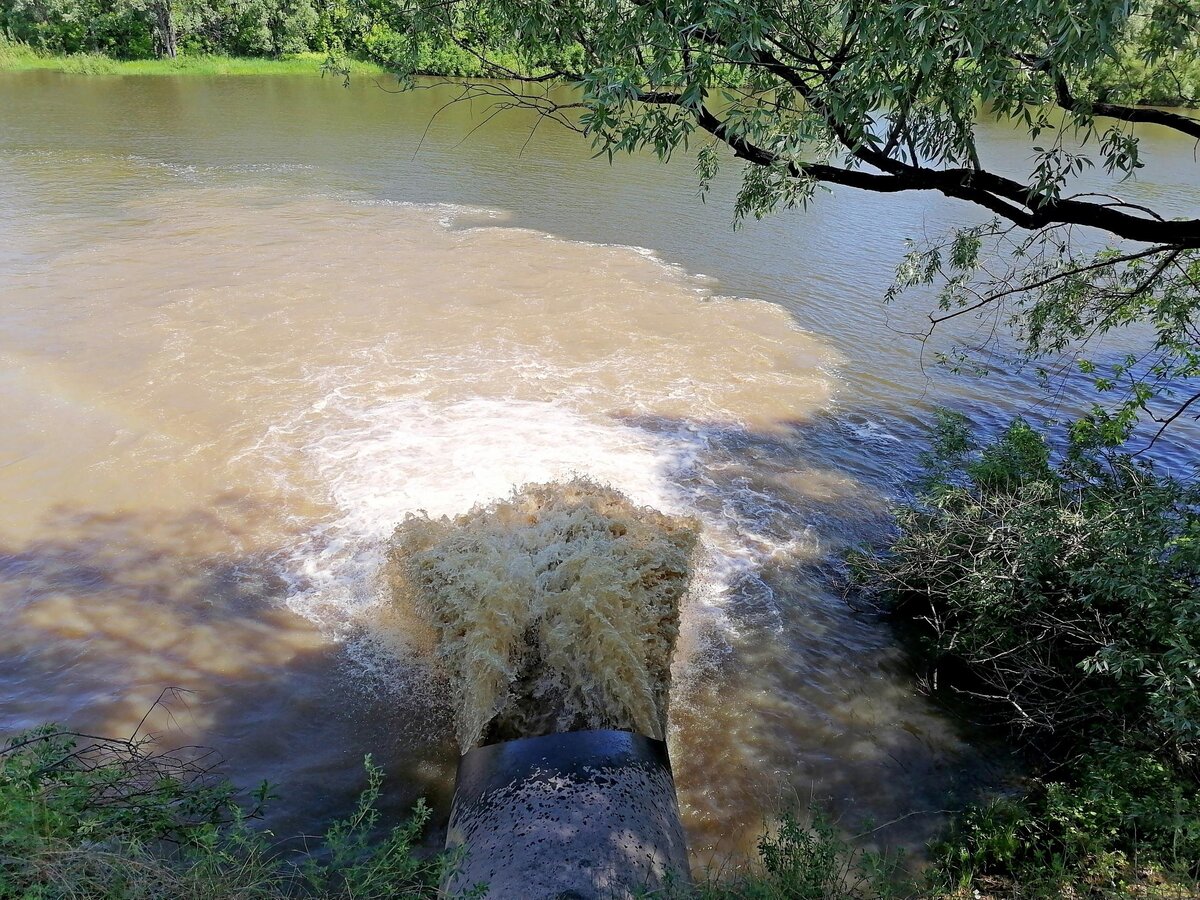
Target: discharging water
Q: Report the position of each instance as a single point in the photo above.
(555, 609)
(248, 329)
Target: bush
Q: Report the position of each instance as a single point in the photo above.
(98, 818)
(121, 29)
(1061, 600)
(1111, 820)
(1070, 592)
(810, 862)
(125, 30)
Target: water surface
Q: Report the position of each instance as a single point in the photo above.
(247, 325)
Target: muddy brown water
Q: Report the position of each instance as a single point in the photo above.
(247, 325)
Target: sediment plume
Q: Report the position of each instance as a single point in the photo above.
(554, 609)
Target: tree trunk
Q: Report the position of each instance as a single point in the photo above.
(164, 30)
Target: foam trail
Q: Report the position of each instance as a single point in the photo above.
(384, 462)
(555, 609)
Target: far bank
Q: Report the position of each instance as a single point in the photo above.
(20, 58)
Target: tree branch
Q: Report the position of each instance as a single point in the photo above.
(1003, 196)
(1008, 198)
(1148, 114)
(1057, 276)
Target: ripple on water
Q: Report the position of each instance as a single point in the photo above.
(339, 365)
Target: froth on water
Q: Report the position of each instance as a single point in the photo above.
(554, 609)
(333, 366)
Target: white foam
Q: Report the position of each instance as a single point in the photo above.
(384, 461)
(444, 425)
(868, 430)
(448, 214)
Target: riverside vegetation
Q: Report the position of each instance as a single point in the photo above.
(82, 816)
(1058, 599)
(88, 817)
(285, 37)
(233, 37)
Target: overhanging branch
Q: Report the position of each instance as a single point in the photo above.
(1147, 114)
(1002, 196)
(1008, 198)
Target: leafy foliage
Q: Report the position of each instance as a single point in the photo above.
(885, 96)
(1057, 301)
(1072, 592)
(800, 860)
(797, 85)
(130, 29)
(1061, 599)
(118, 28)
(99, 818)
(1112, 823)
(340, 29)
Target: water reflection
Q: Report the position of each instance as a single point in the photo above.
(95, 622)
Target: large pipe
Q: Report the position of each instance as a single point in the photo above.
(573, 816)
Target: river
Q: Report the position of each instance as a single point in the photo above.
(249, 324)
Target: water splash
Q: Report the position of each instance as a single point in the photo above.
(554, 609)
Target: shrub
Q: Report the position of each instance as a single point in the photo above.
(120, 820)
(798, 861)
(1070, 592)
(118, 28)
(1060, 598)
(1111, 820)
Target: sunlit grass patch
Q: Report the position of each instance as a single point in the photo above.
(15, 57)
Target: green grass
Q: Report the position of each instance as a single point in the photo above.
(117, 819)
(20, 58)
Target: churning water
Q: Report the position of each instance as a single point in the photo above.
(554, 609)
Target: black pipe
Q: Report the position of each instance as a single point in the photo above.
(573, 816)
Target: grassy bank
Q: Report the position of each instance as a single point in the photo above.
(20, 58)
(87, 817)
(104, 819)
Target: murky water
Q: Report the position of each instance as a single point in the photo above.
(247, 326)
(554, 609)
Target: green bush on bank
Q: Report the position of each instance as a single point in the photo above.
(83, 31)
(93, 36)
(132, 29)
(1061, 600)
(1113, 823)
(1133, 80)
(798, 861)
